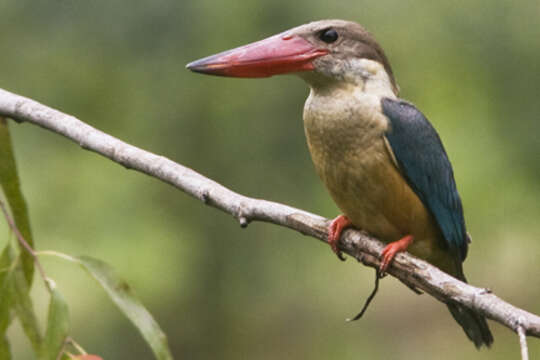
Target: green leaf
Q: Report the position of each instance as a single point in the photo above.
(9, 182)
(22, 303)
(57, 325)
(5, 353)
(5, 303)
(121, 294)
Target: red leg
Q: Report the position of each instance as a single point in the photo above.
(392, 249)
(334, 233)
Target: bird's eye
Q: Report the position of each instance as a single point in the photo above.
(328, 35)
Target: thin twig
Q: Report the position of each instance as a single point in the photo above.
(62, 349)
(57, 254)
(25, 244)
(76, 345)
(370, 297)
(523, 343)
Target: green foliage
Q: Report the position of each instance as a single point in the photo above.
(16, 271)
(14, 289)
(5, 353)
(5, 299)
(18, 292)
(121, 294)
(15, 279)
(5, 276)
(57, 325)
(10, 185)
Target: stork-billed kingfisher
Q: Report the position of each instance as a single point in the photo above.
(380, 158)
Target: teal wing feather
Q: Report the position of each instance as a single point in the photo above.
(421, 157)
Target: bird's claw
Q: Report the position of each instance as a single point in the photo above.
(334, 233)
(339, 254)
(333, 241)
(390, 251)
(387, 255)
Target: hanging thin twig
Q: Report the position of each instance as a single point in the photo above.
(370, 297)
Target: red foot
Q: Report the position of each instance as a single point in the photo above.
(392, 249)
(334, 233)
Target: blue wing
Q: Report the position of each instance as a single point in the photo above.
(422, 159)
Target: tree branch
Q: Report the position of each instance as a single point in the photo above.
(413, 272)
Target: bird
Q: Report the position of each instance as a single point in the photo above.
(381, 160)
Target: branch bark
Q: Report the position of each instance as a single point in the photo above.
(412, 271)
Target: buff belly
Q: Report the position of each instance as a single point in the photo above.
(369, 189)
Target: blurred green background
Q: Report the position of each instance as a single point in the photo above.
(221, 292)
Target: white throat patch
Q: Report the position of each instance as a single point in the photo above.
(370, 76)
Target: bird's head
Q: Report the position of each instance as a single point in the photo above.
(321, 52)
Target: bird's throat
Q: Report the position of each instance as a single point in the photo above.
(340, 118)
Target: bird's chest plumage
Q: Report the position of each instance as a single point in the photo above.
(345, 133)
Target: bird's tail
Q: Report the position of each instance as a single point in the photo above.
(474, 325)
